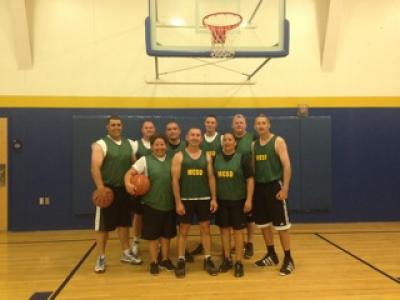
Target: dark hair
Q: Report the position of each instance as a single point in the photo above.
(194, 127)
(211, 116)
(172, 121)
(113, 117)
(158, 136)
(231, 133)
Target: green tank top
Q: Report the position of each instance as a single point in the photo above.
(194, 178)
(142, 150)
(117, 161)
(160, 195)
(212, 148)
(268, 166)
(171, 150)
(244, 144)
(231, 183)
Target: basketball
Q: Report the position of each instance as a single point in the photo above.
(141, 183)
(103, 201)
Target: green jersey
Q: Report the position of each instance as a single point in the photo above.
(160, 195)
(172, 149)
(244, 143)
(194, 178)
(212, 148)
(230, 178)
(142, 149)
(268, 166)
(117, 161)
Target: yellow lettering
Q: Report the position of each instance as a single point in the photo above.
(225, 174)
(194, 172)
(261, 157)
(211, 153)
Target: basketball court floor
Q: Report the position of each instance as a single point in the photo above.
(333, 261)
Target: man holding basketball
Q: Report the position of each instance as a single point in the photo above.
(111, 157)
(193, 184)
(272, 177)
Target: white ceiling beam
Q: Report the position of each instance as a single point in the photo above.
(22, 41)
(331, 38)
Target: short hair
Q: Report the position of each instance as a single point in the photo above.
(158, 136)
(239, 116)
(113, 117)
(194, 127)
(147, 121)
(262, 115)
(230, 133)
(211, 116)
(172, 122)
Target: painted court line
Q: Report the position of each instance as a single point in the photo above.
(358, 258)
(72, 273)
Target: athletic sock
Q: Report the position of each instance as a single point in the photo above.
(271, 249)
(181, 257)
(287, 254)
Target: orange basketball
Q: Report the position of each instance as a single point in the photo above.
(141, 183)
(103, 201)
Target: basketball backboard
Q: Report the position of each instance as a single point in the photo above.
(175, 28)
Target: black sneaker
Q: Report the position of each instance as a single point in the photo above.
(287, 266)
(226, 265)
(189, 257)
(198, 250)
(239, 272)
(210, 267)
(248, 250)
(154, 270)
(180, 270)
(167, 265)
(270, 259)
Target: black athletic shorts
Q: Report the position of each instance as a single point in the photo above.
(136, 205)
(267, 209)
(158, 223)
(200, 209)
(230, 214)
(118, 214)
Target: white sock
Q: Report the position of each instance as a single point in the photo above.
(182, 257)
(127, 251)
(207, 256)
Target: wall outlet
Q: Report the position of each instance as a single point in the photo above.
(41, 200)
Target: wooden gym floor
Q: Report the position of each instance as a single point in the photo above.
(333, 261)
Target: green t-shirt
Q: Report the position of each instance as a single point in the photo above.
(117, 161)
(268, 166)
(172, 149)
(194, 178)
(160, 195)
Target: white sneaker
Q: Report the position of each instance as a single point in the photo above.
(135, 248)
(100, 266)
(130, 259)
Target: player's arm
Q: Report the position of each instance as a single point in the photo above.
(176, 176)
(135, 148)
(96, 163)
(212, 184)
(281, 150)
(139, 167)
(248, 172)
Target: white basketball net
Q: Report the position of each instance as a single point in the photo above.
(220, 25)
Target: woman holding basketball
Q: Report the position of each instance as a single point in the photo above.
(158, 210)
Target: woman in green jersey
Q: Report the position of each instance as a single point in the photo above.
(158, 207)
(235, 186)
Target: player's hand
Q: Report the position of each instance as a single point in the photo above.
(130, 188)
(248, 206)
(180, 209)
(282, 194)
(213, 206)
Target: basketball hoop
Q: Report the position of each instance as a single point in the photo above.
(220, 24)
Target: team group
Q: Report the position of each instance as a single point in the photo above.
(240, 177)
